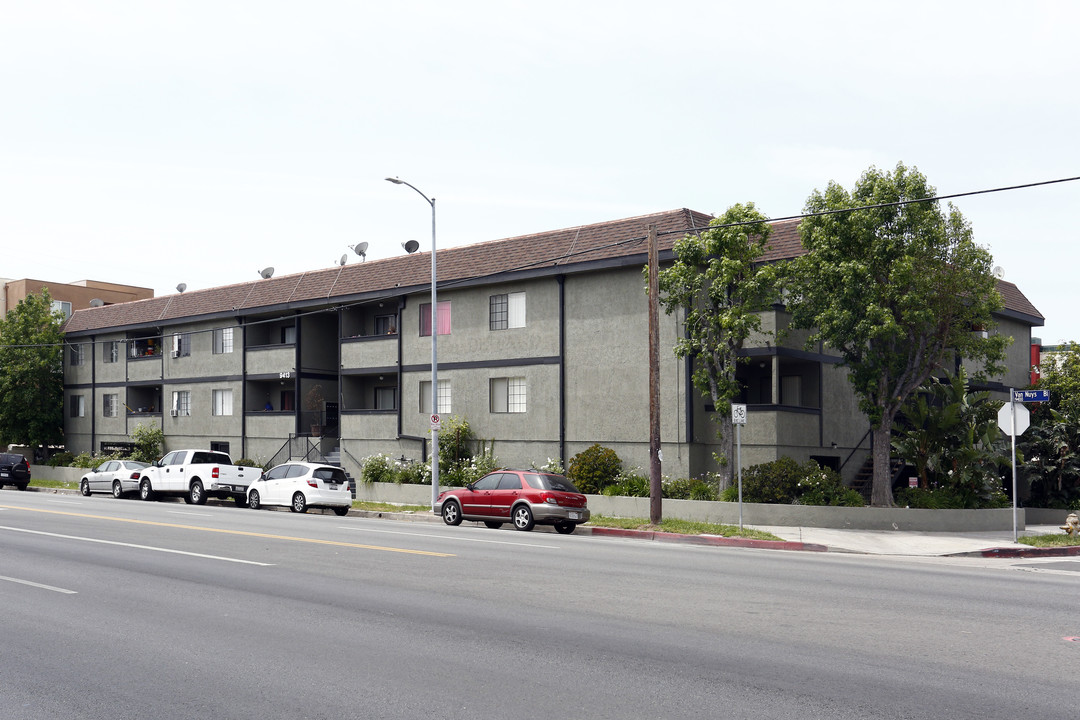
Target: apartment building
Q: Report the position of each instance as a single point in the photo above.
(543, 349)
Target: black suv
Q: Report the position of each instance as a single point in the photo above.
(14, 470)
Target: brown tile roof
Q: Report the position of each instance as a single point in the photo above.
(569, 250)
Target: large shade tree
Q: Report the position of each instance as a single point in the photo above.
(32, 373)
(899, 288)
(720, 284)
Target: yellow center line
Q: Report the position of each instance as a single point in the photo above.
(246, 533)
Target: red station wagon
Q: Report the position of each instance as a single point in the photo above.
(524, 497)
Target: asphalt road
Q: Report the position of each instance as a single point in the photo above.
(125, 609)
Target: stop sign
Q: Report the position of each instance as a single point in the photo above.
(1005, 418)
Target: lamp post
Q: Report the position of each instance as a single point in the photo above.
(434, 350)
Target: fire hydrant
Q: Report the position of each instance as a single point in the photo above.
(1072, 525)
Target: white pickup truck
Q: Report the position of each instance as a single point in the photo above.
(197, 475)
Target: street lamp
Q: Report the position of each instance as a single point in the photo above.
(434, 350)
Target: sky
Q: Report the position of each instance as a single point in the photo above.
(153, 143)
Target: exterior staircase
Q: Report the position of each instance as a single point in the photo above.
(864, 479)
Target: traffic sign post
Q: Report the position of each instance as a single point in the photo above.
(738, 419)
(1014, 419)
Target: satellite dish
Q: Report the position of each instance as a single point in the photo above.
(97, 302)
(360, 249)
(411, 246)
(267, 273)
(999, 272)
(181, 287)
(343, 260)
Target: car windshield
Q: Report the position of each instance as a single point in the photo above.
(325, 474)
(550, 482)
(10, 459)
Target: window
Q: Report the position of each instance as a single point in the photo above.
(444, 397)
(181, 403)
(77, 354)
(386, 398)
(78, 406)
(219, 446)
(108, 405)
(223, 338)
(62, 306)
(386, 324)
(288, 400)
(508, 395)
(288, 335)
(181, 344)
(443, 312)
(507, 311)
(222, 402)
(110, 352)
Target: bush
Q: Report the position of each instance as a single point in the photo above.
(378, 468)
(946, 498)
(60, 459)
(247, 462)
(593, 469)
(149, 441)
(772, 482)
(823, 486)
(413, 472)
(633, 483)
(467, 471)
(553, 465)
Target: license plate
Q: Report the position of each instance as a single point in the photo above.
(575, 516)
(4, 474)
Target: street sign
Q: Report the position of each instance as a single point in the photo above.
(1005, 416)
(436, 422)
(1031, 395)
(738, 414)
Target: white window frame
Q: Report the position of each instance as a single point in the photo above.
(444, 397)
(78, 406)
(508, 395)
(223, 401)
(110, 403)
(181, 344)
(223, 341)
(110, 351)
(181, 403)
(513, 304)
(381, 395)
(77, 357)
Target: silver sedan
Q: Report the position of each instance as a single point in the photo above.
(115, 476)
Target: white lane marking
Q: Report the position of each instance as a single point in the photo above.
(183, 512)
(39, 585)
(450, 537)
(138, 547)
(57, 501)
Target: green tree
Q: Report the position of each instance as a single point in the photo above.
(1060, 374)
(720, 284)
(1049, 452)
(897, 287)
(32, 373)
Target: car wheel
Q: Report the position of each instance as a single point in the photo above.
(145, 491)
(493, 524)
(195, 494)
(117, 489)
(23, 486)
(451, 513)
(341, 511)
(254, 502)
(299, 503)
(565, 528)
(84, 487)
(523, 518)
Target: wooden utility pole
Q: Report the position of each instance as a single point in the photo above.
(656, 493)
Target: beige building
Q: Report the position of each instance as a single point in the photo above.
(69, 297)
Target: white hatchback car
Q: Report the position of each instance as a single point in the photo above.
(301, 485)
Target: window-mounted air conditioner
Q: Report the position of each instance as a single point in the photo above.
(174, 412)
(176, 353)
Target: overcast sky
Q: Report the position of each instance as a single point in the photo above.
(156, 143)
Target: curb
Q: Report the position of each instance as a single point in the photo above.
(1012, 552)
(709, 540)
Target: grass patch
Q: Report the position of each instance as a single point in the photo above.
(55, 484)
(1061, 540)
(389, 507)
(683, 527)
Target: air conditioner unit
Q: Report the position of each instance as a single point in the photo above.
(176, 353)
(174, 413)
